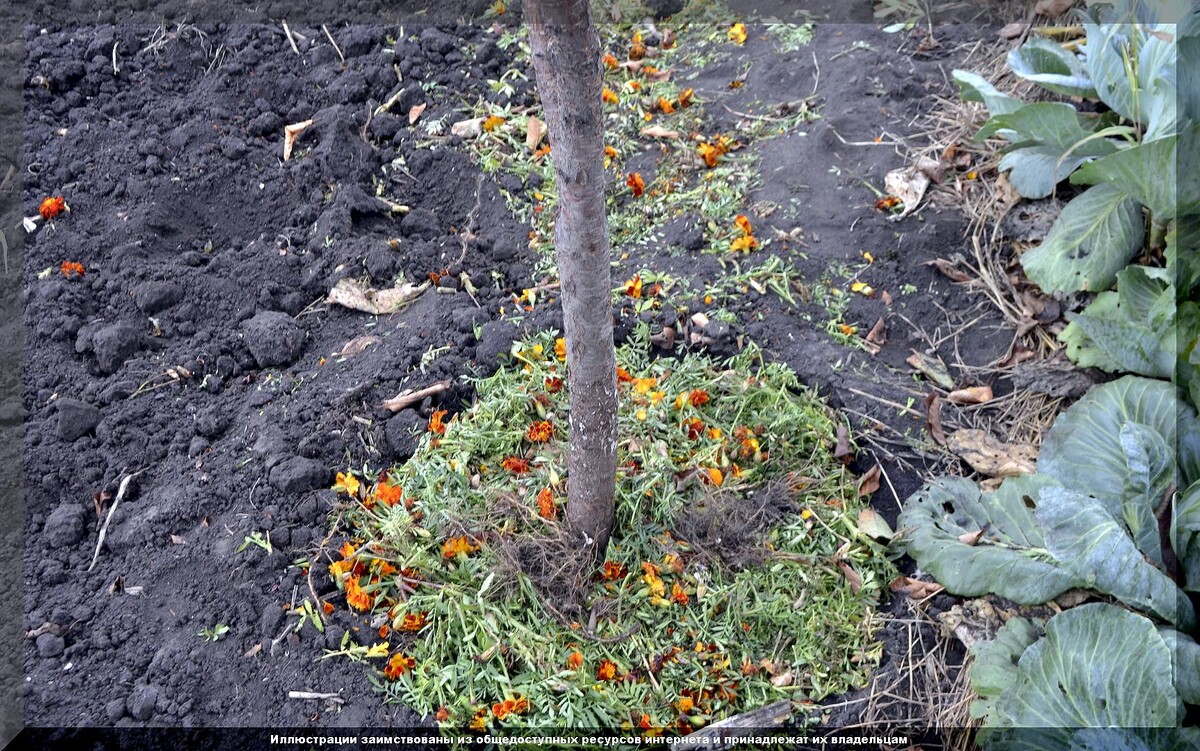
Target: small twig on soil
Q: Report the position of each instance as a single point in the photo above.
(108, 519)
(612, 639)
(816, 75)
(408, 397)
(336, 48)
(291, 39)
(838, 136)
(903, 409)
(467, 234)
(317, 696)
(729, 731)
(116, 68)
(4, 245)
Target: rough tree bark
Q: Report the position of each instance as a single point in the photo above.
(566, 65)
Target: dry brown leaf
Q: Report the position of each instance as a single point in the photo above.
(1012, 30)
(970, 538)
(253, 651)
(949, 270)
(357, 345)
(933, 418)
(871, 524)
(989, 456)
(178, 540)
(932, 367)
(290, 134)
(467, 128)
(878, 333)
(781, 680)
(414, 112)
(356, 295)
(886, 297)
(971, 395)
(852, 576)
(914, 588)
(909, 185)
(535, 131)
(843, 450)
(657, 131)
(869, 482)
(409, 397)
(1052, 8)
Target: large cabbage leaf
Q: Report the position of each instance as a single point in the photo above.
(1131, 330)
(1084, 450)
(1088, 542)
(1098, 666)
(994, 663)
(942, 521)
(1096, 235)
(1145, 171)
(1185, 535)
(1052, 67)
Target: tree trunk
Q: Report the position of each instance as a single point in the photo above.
(567, 68)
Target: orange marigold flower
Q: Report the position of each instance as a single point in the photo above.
(685, 97)
(554, 385)
(356, 598)
(479, 721)
(545, 504)
(607, 671)
(715, 476)
(540, 431)
(737, 33)
(678, 595)
(744, 244)
(743, 223)
(388, 494)
(327, 607)
(665, 105)
(69, 268)
(575, 660)
(493, 122)
(887, 203)
(698, 397)
(384, 630)
(633, 287)
(436, 424)
(610, 61)
(456, 546)
(384, 568)
(636, 185)
(398, 665)
(642, 386)
(52, 207)
(442, 714)
(347, 550)
(623, 375)
(560, 348)
(516, 465)
(610, 152)
(637, 50)
(685, 704)
(414, 621)
(695, 428)
(614, 571)
(608, 96)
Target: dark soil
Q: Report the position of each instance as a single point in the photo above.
(196, 352)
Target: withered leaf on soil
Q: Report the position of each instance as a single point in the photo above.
(932, 367)
(908, 184)
(914, 588)
(949, 270)
(535, 131)
(1012, 30)
(471, 128)
(871, 524)
(178, 540)
(852, 576)
(869, 482)
(290, 134)
(414, 112)
(843, 451)
(989, 456)
(410, 396)
(933, 418)
(657, 131)
(781, 680)
(1052, 8)
(356, 295)
(878, 333)
(356, 345)
(971, 395)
